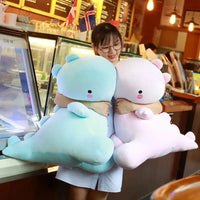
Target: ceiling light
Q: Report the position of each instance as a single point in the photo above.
(172, 19)
(191, 24)
(173, 15)
(150, 5)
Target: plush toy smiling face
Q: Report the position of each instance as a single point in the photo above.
(73, 81)
(140, 81)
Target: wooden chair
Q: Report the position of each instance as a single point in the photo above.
(179, 69)
(170, 70)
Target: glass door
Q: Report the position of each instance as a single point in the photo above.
(19, 102)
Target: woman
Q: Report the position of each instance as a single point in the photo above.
(106, 42)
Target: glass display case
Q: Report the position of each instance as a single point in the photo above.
(64, 47)
(19, 100)
(48, 50)
(42, 50)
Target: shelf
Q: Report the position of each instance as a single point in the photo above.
(176, 106)
(187, 96)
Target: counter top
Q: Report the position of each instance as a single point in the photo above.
(186, 96)
(176, 106)
(13, 169)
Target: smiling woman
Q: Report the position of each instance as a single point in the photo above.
(107, 42)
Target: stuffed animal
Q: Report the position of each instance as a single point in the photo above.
(142, 130)
(76, 134)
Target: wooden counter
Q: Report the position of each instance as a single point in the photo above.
(176, 106)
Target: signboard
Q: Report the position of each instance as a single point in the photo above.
(125, 14)
(109, 10)
(13, 1)
(63, 7)
(44, 5)
(85, 5)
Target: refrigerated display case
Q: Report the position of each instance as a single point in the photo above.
(48, 50)
(42, 50)
(64, 47)
(19, 100)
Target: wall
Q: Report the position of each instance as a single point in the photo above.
(152, 22)
(192, 5)
(192, 47)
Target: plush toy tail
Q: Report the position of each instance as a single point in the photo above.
(190, 135)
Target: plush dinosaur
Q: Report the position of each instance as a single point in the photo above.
(142, 130)
(76, 134)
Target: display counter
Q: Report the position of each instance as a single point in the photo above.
(19, 99)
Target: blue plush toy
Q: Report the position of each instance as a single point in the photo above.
(76, 135)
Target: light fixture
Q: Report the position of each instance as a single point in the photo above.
(191, 24)
(172, 19)
(150, 5)
(173, 15)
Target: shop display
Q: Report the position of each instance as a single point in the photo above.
(19, 102)
(142, 130)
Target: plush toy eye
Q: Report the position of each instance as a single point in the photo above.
(140, 91)
(89, 91)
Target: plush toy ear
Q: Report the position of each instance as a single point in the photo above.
(158, 63)
(56, 69)
(167, 77)
(71, 57)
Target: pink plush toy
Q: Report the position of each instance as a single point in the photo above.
(142, 131)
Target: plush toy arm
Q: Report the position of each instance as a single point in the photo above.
(144, 113)
(78, 109)
(116, 140)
